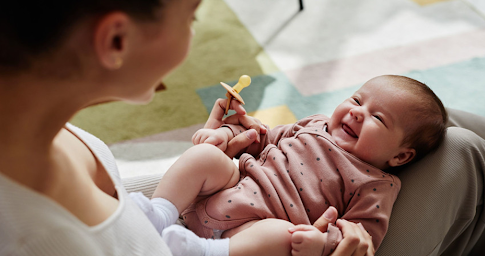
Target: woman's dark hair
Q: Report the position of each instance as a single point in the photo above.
(30, 28)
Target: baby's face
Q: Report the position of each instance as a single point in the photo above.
(370, 124)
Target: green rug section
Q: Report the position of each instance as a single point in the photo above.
(222, 50)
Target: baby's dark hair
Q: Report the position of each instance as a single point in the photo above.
(427, 131)
(30, 28)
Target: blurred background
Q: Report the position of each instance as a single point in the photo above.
(301, 62)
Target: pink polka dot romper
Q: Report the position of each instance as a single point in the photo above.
(298, 173)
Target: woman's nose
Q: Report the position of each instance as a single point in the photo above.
(355, 113)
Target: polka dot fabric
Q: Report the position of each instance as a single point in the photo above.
(298, 172)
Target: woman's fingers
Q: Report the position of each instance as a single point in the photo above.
(356, 241)
(217, 113)
(329, 216)
(362, 247)
(241, 141)
(215, 119)
(368, 238)
(248, 122)
(349, 243)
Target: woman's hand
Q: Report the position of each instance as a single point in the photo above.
(244, 139)
(356, 241)
(216, 117)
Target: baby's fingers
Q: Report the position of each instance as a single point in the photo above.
(216, 142)
(213, 141)
(196, 138)
(301, 228)
(307, 240)
(203, 139)
(297, 244)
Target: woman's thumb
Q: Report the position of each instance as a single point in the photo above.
(329, 216)
(240, 142)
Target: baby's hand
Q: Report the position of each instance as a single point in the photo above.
(307, 240)
(217, 137)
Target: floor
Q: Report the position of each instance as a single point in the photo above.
(300, 63)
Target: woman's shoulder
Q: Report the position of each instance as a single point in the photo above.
(93, 142)
(99, 149)
(32, 224)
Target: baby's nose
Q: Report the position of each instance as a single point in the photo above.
(356, 114)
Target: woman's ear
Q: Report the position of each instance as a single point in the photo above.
(403, 157)
(110, 39)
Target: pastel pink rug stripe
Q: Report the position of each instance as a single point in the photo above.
(338, 74)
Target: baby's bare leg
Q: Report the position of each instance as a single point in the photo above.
(201, 170)
(264, 237)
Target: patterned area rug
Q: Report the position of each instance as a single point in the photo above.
(301, 63)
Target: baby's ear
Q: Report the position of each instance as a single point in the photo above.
(404, 157)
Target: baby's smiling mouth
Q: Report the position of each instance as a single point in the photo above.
(349, 131)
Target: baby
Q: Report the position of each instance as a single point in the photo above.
(297, 171)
